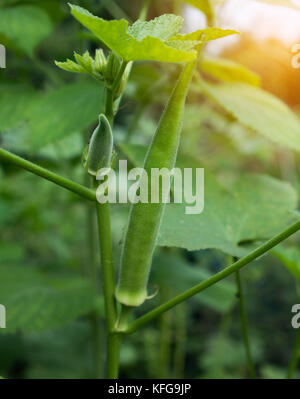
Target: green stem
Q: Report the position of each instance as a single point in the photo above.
(105, 241)
(93, 276)
(124, 315)
(214, 279)
(113, 354)
(111, 91)
(115, 10)
(46, 174)
(244, 324)
(144, 10)
(103, 217)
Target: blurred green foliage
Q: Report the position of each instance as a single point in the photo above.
(45, 278)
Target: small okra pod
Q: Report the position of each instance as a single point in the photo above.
(100, 148)
(145, 218)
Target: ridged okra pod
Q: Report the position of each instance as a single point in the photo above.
(145, 218)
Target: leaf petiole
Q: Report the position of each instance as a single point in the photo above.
(68, 184)
(143, 320)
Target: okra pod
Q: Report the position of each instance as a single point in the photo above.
(145, 218)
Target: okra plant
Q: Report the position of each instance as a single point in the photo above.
(120, 47)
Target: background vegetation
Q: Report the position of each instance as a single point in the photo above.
(48, 281)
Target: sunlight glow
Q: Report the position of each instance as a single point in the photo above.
(261, 21)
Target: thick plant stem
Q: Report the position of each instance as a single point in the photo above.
(113, 353)
(108, 272)
(46, 174)
(244, 324)
(122, 322)
(214, 279)
(92, 270)
(103, 217)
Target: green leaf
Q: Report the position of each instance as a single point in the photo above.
(35, 301)
(70, 66)
(134, 43)
(258, 110)
(255, 208)
(8, 212)
(10, 252)
(86, 64)
(26, 26)
(185, 45)
(63, 111)
(206, 35)
(176, 276)
(16, 104)
(290, 257)
(163, 27)
(229, 71)
(85, 60)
